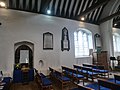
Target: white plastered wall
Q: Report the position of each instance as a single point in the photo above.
(20, 26)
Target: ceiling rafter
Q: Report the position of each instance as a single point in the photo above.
(44, 5)
(67, 10)
(63, 8)
(84, 1)
(78, 6)
(73, 7)
(109, 17)
(58, 8)
(53, 7)
(93, 7)
(117, 21)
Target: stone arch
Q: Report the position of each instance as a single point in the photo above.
(24, 45)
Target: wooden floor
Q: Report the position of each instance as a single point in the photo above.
(34, 86)
(29, 86)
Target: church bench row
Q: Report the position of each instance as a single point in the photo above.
(65, 81)
(91, 71)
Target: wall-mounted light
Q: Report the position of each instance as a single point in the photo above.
(48, 12)
(115, 24)
(82, 18)
(2, 4)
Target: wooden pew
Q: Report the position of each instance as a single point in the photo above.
(59, 78)
(43, 81)
(107, 84)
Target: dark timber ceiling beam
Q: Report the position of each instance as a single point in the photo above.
(116, 21)
(44, 5)
(93, 7)
(109, 17)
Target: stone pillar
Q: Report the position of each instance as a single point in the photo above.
(107, 37)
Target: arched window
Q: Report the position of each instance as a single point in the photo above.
(83, 42)
(116, 42)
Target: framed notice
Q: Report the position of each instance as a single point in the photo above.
(65, 43)
(47, 41)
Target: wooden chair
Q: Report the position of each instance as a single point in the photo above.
(86, 71)
(45, 83)
(107, 85)
(62, 80)
(89, 73)
(101, 70)
(88, 65)
(78, 68)
(117, 79)
(73, 74)
(59, 79)
(77, 76)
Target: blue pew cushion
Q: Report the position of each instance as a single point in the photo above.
(92, 73)
(46, 82)
(63, 78)
(84, 71)
(78, 75)
(7, 79)
(79, 70)
(101, 71)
